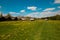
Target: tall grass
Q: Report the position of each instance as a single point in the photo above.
(30, 30)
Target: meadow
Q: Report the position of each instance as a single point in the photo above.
(30, 30)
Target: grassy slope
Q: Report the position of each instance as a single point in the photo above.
(30, 30)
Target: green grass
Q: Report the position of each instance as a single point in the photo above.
(30, 30)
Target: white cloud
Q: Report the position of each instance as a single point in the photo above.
(17, 13)
(58, 12)
(57, 1)
(33, 8)
(4, 14)
(22, 11)
(49, 9)
(12, 12)
(43, 14)
(36, 12)
(33, 14)
(46, 14)
(58, 6)
(0, 6)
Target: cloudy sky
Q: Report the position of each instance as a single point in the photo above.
(33, 8)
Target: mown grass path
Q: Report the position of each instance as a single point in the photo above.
(30, 30)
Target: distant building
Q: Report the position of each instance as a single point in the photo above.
(46, 19)
(23, 18)
(12, 18)
(32, 19)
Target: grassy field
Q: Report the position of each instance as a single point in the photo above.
(30, 30)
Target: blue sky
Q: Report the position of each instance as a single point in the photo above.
(33, 8)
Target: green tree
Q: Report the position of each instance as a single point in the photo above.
(9, 17)
(1, 15)
(57, 17)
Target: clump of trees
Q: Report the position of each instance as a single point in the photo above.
(2, 18)
(8, 17)
(56, 17)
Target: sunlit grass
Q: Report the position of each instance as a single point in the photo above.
(30, 30)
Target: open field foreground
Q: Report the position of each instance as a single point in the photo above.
(30, 30)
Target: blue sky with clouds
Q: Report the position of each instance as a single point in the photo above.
(33, 8)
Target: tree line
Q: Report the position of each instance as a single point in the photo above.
(56, 17)
(8, 17)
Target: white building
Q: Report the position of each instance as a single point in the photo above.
(32, 19)
(23, 18)
(46, 19)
